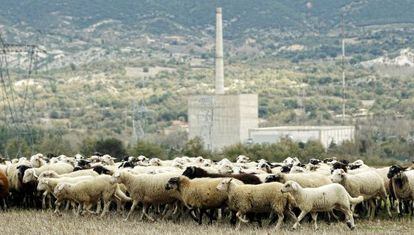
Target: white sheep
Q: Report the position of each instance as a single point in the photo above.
(37, 160)
(53, 174)
(306, 180)
(32, 173)
(47, 185)
(367, 184)
(147, 189)
(262, 198)
(88, 192)
(322, 199)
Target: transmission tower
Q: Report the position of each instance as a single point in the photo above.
(18, 117)
(141, 115)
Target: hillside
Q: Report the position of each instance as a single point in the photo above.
(241, 15)
(105, 57)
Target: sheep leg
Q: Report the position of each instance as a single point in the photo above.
(165, 210)
(398, 205)
(193, 215)
(67, 206)
(314, 216)
(3, 204)
(238, 224)
(200, 216)
(388, 208)
(145, 212)
(106, 208)
(44, 195)
(211, 216)
(175, 208)
(57, 206)
(302, 214)
(239, 215)
(291, 214)
(98, 206)
(372, 209)
(134, 204)
(50, 202)
(281, 216)
(78, 209)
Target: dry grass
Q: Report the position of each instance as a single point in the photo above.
(45, 222)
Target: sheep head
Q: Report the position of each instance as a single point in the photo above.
(286, 168)
(155, 162)
(42, 185)
(60, 188)
(224, 184)
(48, 174)
(338, 176)
(29, 176)
(173, 183)
(290, 186)
(102, 170)
(395, 170)
(116, 178)
(190, 172)
(314, 161)
(274, 178)
(242, 159)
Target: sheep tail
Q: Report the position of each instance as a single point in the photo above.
(121, 195)
(355, 200)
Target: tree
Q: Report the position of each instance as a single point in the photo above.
(147, 149)
(88, 146)
(112, 146)
(54, 144)
(195, 148)
(16, 148)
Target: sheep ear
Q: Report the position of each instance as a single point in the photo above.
(294, 186)
(34, 174)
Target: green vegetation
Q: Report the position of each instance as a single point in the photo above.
(115, 55)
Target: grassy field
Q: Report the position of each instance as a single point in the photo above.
(45, 222)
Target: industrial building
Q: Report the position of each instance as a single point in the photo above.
(222, 119)
(326, 135)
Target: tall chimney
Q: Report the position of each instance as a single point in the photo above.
(219, 54)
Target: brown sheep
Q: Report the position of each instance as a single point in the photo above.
(4, 190)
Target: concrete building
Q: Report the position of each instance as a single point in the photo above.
(221, 119)
(324, 134)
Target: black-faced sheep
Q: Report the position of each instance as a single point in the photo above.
(402, 183)
(197, 172)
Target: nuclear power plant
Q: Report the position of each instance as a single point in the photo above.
(223, 119)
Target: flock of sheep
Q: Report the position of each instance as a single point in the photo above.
(242, 191)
